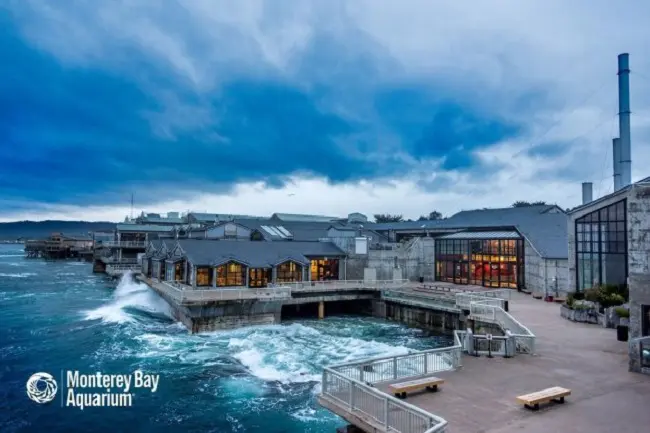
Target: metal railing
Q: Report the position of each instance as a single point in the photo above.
(336, 285)
(118, 261)
(186, 294)
(350, 385)
(123, 244)
(486, 311)
(123, 267)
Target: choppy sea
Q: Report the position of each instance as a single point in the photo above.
(59, 316)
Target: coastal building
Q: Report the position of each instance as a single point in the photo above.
(171, 219)
(60, 246)
(201, 263)
(517, 247)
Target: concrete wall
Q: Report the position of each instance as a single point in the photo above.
(638, 220)
(414, 257)
(539, 273)
(416, 316)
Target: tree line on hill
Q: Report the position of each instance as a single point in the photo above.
(435, 215)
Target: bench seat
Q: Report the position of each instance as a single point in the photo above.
(533, 400)
(429, 383)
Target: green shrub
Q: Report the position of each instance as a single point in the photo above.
(578, 296)
(592, 294)
(578, 306)
(622, 312)
(607, 296)
(570, 300)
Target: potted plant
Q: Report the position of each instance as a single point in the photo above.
(622, 330)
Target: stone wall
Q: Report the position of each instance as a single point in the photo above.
(638, 220)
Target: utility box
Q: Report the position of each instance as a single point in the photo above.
(361, 245)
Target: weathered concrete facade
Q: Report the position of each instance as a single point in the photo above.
(637, 210)
(545, 276)
(425, 318)
(638, 217)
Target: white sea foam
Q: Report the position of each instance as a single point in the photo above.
(129, 294)
(17, 275)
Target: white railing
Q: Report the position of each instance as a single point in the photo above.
(123, 267)
(350, 385)
(118, 261)
(487, 312)
(123, 244)
(336, 285)
(187, 294)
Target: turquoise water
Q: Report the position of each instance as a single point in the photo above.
(59, 316)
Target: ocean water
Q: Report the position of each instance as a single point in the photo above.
(57, 316)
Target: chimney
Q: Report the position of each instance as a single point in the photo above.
(587, 192)
(624, 119)
(616, 153)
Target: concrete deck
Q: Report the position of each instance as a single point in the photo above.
(585, 358)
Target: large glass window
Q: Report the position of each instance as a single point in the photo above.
(289, 272)
(601, 247)
(231, 274)
(179, 271)
(483, 262)
(202, 277)
(324, 269)
(259, 277)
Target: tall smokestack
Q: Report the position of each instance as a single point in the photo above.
(624, 118)
(616, 152)
(587, 192)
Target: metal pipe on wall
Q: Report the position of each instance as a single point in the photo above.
(616, 156)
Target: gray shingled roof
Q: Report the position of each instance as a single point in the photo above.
(293, 217)
(212, 217)
(255, 254)
(142, 228)
(546, 230)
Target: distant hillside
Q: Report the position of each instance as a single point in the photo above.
(42, 229)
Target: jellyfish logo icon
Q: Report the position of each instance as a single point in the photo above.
(41, 387)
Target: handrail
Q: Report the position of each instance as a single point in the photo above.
(187, 294)
(135, 244)
(344, 384)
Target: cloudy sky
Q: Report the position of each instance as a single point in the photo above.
(330, 107)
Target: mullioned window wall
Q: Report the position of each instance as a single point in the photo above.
(601, 247)
(483, 262)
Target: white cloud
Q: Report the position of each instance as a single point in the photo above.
(493, 55)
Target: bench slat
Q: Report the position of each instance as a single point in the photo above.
(544, 395)
(415, 384)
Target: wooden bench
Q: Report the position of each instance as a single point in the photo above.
(430, 383)
(532, 400)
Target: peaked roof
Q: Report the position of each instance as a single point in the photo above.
(203, 252)
(621, 191)
(545, 226)
(294, 217)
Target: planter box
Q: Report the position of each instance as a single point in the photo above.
(583, 316)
